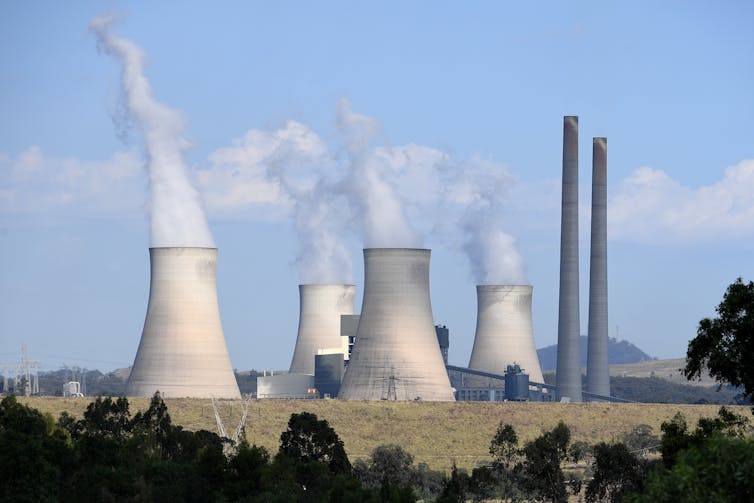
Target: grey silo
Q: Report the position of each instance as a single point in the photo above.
(597, 370)
(320, 308)
(504, 334)
(568, 373)
(396, 355)
(182, 352)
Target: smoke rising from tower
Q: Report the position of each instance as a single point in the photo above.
(376, 202)
(176, 216)
(482, 187)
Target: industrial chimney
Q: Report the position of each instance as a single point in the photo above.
(568, 374)
(597, 370)
(396, 355)
(504, 331)
(182, 352)
(320, 309)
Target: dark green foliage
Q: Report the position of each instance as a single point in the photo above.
(641, 438)
(725, 345)
(34, 453)
(617, 471)
(110, 456)
(541, 469)
(310, 439)
(456, 487)
(719, 470)
(506, 458)
(676, 437)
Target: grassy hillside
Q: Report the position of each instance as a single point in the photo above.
(435, 433)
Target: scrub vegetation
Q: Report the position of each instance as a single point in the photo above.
(438, 434)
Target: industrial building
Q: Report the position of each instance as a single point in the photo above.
(396, 355)
(504, 334)
(182, 352)
(320, 310)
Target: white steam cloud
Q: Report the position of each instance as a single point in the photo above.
(291, 167)
(373, 197)
(177, 218)
(482, 188)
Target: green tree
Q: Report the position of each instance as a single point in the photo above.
(455, 487)
(719, 470)
(677, 438)
(310, 439)
(617, 471)
(506, 457)
(34, 454)
(642, 437)
(725, 345)
(541, 469)
(390, 469)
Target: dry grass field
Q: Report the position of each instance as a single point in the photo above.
(664, 369)
(435, 433)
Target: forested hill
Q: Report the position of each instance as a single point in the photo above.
(617, 352)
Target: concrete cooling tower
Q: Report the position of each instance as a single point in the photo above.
(320, 309)
(597, 370)
(568, 374)
(182, 352)
(396, 355)
(504, 331)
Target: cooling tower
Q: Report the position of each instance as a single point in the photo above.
(182, 352)
(320, 309)
(597, 371)
(568, 373)
(396, 355)
(504, 331)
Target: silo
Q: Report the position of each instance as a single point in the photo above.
(182, 352)
(396, 355)
(597, 370)
(568, 374)
(320, 308)
(504, 333)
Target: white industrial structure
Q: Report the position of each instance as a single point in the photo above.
(286, 386)
(182, 352)
(320, 309)
(396, 355)
(504, 333)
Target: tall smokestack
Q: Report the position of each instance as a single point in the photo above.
(182, 352)
(504, 331)
(319, 322)
(396, 355)
(597, 371)
(569, 367)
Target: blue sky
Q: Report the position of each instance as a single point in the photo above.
(481, 85)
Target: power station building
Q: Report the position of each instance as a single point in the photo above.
(504, 334)
(319, 325)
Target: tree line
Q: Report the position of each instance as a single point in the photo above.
(111, 455)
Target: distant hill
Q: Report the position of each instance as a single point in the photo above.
(617, 352)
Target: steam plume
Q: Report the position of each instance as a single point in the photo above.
(319, 211)
(376, 202)
(176, 216)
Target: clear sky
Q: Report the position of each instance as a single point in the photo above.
(482, 86)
